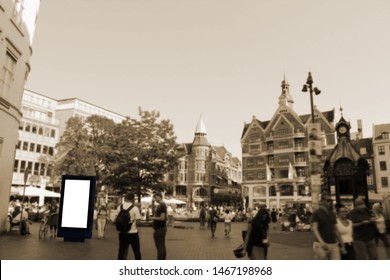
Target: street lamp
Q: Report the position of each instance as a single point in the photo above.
(314, 142)
(309, 87)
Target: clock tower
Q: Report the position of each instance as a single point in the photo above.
(342, 129)
(345, 169)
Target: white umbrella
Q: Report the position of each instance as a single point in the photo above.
(33, 191)
(148, 200)
(174, 201)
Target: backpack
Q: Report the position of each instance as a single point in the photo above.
(122, 221)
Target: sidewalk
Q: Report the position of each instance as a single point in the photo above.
(186, 242)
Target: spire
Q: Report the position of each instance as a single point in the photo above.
(200, 127)
(200, 134)
(285, 98)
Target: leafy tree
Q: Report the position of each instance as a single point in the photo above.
(143, 152)
(84, 146)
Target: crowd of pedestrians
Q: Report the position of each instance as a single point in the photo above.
(338, 231)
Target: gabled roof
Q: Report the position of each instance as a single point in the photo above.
(379, 129)
(364, 143)
(329, 116)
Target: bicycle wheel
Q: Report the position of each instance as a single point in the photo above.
(42, 230)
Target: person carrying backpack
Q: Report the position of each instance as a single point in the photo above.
(126, 223)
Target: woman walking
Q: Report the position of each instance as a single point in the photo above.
(102, 217)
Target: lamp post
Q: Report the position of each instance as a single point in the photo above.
(314, 143)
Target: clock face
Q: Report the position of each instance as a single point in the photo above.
(342, 129)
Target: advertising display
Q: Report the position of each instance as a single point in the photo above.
(76, 207)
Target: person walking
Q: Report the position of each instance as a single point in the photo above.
(274, 217)
(228, 217)
(53, 218)
(364, 231)
(160, 227)
(323, 223)
(130, 237)
(345, 228)
(380, 224)
(202, 217)
(102, 217)
(256, 239)
(213, 218)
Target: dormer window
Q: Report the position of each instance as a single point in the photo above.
(385, 135)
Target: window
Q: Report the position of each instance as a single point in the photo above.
(283, 145)
(254, 149)
(52, 133)
(254, 137)
(381, 150)
(271, 160)
(19, 145)
(299, 158)
(250, 176)
(301, 190)
(286, 190)
(27, 127)
(40, 130)
(284, 159)
(261, 175)
(39, 148)
(299, 143)
(382, 165)
(369, 161)
(29, 166)
(181, 190)
(250, 163)
(36, 168)
(34, 129)
(51, 151)
(385, 135)
(385, 182)
(7, 74)
(283, 173)
(272, 191)
(370, 180)
(16, 165)
(270, 146)
(22, 166)
(260, 162)
(45, 149)
(32, 147)
(25, 146)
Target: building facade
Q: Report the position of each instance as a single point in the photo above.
(43, 122)
(17, 26)
(205, 174)
(381, 147)
(275, 155)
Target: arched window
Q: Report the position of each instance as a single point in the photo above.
(202, 192)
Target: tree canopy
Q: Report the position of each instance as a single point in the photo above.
(132, 155)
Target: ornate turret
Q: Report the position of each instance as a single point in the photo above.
(285, 98)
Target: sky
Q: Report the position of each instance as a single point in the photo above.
(223, 60)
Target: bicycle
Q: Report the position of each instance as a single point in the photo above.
(44, 227)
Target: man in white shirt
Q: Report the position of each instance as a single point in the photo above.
(131, 237)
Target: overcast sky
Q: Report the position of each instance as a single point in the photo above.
(222, 59)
